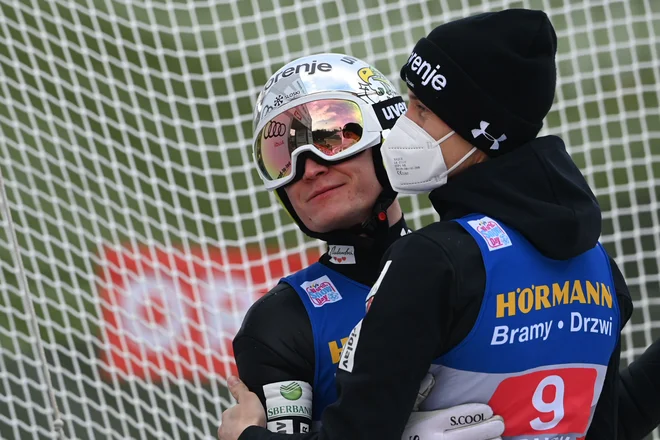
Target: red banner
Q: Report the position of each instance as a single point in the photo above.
(178, 312)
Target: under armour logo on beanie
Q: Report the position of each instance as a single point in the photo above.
(491, 77)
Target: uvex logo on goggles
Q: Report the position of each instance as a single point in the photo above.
(389, 111)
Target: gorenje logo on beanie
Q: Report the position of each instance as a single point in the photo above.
(418, 65)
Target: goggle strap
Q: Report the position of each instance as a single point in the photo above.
(389, 111)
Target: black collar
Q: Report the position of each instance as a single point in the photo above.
(361, 263)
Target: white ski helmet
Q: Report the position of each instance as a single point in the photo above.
(329, 107)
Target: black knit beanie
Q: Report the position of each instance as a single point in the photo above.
(491, 77)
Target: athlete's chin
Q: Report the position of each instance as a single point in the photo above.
(335, 218)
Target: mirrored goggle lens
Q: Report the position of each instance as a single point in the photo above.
(331, 126)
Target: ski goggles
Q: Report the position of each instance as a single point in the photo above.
(332, 126)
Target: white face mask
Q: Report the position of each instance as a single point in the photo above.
(413, 159)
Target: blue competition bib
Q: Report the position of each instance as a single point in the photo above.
(335, 304)
(539, 350)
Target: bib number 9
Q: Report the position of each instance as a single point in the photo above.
(546, 402)
(556, 406)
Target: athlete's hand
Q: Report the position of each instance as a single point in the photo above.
(424, 389)
(471, 421)
(247, 412)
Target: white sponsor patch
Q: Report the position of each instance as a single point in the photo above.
(348, 352)
(491, 231)
(321, 291)
(342, 254)
(374, 289)
(283, 426)
(291, 398)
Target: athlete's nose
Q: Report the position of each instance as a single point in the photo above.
(313, 169)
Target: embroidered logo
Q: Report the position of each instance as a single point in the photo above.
(482, 131)
(426, 72)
